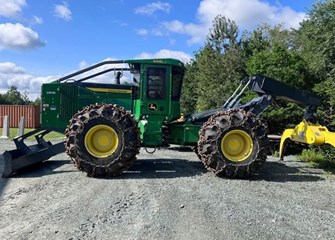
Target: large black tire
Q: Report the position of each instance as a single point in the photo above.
(233, 144)
(102, 140)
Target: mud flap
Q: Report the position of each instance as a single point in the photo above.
(25, 156)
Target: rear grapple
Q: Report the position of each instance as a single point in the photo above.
(78, 144)
(241, 127)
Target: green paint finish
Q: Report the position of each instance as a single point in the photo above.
(184, 133)
(60, 101)
(154, 103)
(51, 106)
(151, 131)
(174, 111)
(158, 99)
(161, 61)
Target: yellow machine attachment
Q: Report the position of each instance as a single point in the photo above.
(307, 133)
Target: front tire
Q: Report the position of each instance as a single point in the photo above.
(102, 140)
(233, 144)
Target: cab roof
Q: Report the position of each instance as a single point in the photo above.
(168, 61)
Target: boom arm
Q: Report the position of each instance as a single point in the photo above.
(265, 85)
(268, 89)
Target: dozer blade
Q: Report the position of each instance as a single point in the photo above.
(25, 156)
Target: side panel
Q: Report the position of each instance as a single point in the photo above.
(51, 105)
(183, 133)
(60, 101)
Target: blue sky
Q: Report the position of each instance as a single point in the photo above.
(41, 40)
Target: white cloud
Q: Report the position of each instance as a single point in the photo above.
(172, 41)
(165, 53)
(159, 31)
(37, 20)
(18, 37)
(83, 64)
(142, 32)
(11, 8)
(248, 14)
(62, 11)
(13, 75)
(10, 68)
(151, 8)
(196, 32)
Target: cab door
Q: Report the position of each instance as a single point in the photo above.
(156, 92)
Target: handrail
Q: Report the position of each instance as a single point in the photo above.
(89, 69)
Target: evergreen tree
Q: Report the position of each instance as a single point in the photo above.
(280, 59)
(189, 93)
(14, 97)
(217, 67)
(317, 41)
(2, 99)
(223, 35)
(37, 101)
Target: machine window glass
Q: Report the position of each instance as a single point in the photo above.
(136, 86)
(177, 80)
(136, 92)
(156, 78)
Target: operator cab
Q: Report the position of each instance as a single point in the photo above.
(157, 87)
(156, 99)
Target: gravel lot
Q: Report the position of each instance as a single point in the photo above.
(167, 195)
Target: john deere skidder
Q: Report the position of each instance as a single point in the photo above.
(106, 124)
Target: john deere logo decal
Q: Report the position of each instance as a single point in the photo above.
(153, 106)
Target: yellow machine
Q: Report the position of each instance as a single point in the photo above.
(306, 133)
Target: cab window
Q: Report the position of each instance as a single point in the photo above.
(177, 81)
(156, 82)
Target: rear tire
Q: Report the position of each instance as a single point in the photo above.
(102, 140)
(233, 144)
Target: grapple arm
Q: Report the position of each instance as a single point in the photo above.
(306, 133)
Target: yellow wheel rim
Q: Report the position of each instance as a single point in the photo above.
(101, 141)
(236, 145)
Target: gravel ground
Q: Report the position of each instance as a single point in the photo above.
(167, 195)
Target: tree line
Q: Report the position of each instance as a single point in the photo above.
(14, 97)
(303, 58)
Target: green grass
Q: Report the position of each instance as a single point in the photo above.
(311, 155)
(275, 154)
(323, 158)
(14, 131)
